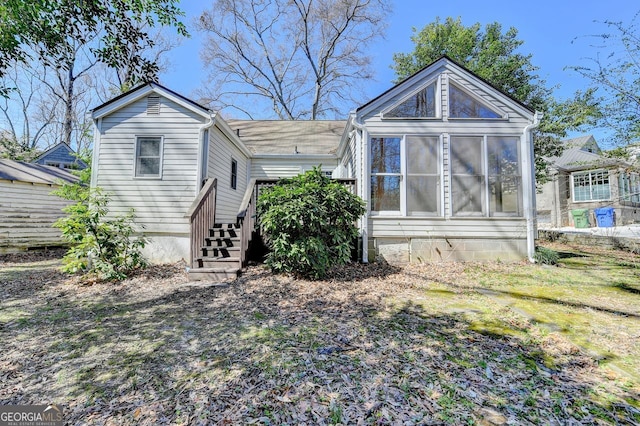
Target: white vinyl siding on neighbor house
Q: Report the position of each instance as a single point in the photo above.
(592, 185)
(160, 203)
(221, 153)
(27, 213)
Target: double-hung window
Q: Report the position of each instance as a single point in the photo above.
(234, 174)
(148, 161)
(423, 175)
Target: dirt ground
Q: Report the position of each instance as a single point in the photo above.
(374, 344)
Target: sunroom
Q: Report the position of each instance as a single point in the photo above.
(449, 170)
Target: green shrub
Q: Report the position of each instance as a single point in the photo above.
(309, 223)
(106, 247)
(546, 256)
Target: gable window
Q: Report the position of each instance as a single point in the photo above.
(591, 186)
(463, 105)
(385, 174)
(148, 162)
(234, 174)
(485, 176)
(419, 105)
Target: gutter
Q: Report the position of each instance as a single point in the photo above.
(529, 195)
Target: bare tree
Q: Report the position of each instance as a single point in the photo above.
(306, 58)
(27, 112)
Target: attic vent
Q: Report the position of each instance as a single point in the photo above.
(153, 105)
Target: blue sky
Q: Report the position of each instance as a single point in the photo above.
(554, 32)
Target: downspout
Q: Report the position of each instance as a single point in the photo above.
(201, 132)
(364, 163)
(97, 133)
(530, 189)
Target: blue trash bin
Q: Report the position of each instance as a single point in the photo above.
(605, 217)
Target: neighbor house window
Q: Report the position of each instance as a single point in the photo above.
(591, 186)
(629, 185)
(385, 174)
(234, 174)
(485, 176)
(463, 105)
(419, 105)
(148, 156)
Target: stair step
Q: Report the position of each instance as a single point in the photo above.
(215, 262)
(213, 274)
(209, 252)
(222, 242)
(224, 233)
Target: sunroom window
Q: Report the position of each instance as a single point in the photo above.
(467, 176)
(423, 175)
(463, 105)
(419, 105)
(405, 175)
(591, 186)
(385, 174)
(485, 176)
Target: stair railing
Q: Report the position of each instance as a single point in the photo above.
(246, 219)
(201, 214)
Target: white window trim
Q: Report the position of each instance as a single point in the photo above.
(590, 172)
(135, 158)
(403, 212)
(486, 204)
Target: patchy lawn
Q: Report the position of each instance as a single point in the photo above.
(462, 343)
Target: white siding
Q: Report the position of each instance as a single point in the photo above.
(27, 213)
(221, 151)
(160, 204)
(280, 167)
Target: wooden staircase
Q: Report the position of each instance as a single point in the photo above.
(219, 250)
(219, 257)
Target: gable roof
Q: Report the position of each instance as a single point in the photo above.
(276, 137)
(144, 90)
(34, 173)
(61, 145)
(442, 61)
(578, 155)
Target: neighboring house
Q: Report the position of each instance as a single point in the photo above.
(62, 156)
(582, 178)
(443, 160)
(27, 207)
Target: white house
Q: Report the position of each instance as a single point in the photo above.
(443, 160)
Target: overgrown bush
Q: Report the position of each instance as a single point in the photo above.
(106, 247)
(546, 256)
(309, 223)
